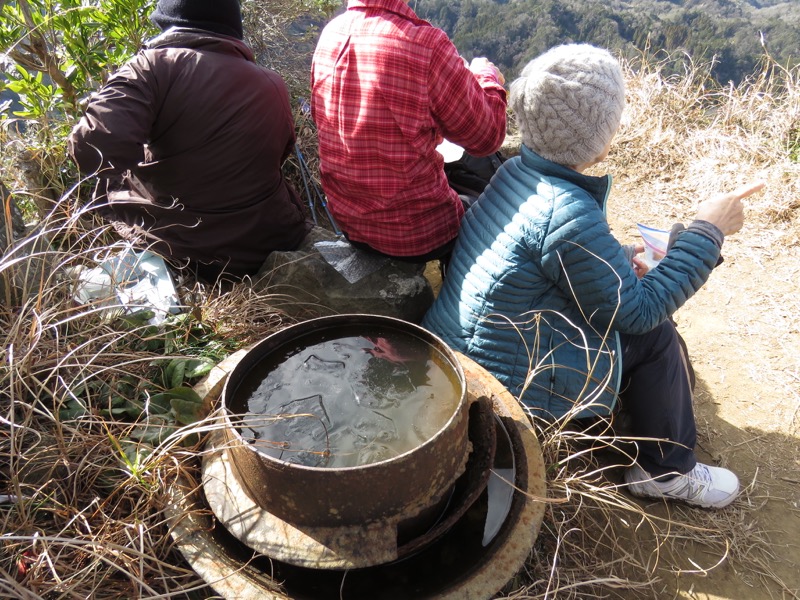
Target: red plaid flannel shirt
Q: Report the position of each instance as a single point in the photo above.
(387, 87)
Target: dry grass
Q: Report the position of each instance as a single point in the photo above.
(683, 138)
(81, 509)
(274, 30)
(597, 542)
(82, 513)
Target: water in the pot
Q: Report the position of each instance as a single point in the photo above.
(350, 401)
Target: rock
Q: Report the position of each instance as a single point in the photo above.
(305, 285)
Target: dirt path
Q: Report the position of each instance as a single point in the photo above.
(743, 334)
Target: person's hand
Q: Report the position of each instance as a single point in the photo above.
(481, 63)
(639, 267)
(726, 211)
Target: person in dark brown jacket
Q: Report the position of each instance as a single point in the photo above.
(187, 140)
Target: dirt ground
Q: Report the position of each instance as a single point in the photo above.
(743, 334)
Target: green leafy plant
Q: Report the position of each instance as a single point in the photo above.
(327, 7)
(159, 400)
(794, 145)
(71, 45)
(59, 53)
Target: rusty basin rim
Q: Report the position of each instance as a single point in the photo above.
(276, 340)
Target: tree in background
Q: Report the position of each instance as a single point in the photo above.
(59, 52)
(732, 36)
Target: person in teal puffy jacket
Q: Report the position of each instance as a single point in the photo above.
(541, 294)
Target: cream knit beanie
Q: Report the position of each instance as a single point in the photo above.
(568, 103)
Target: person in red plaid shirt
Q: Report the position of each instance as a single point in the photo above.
(387, 88)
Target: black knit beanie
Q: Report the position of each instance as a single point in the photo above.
(219, 16)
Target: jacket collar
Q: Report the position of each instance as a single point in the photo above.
(597, 187)
(396, 6)
(187, 37)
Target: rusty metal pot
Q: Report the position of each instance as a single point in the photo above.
(392, 490)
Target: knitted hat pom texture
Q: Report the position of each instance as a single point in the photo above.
(568, 103)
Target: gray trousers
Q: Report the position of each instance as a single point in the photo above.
(657, 394)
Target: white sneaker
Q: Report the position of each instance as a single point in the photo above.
(709, 487)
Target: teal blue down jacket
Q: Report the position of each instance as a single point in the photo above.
(538, 287)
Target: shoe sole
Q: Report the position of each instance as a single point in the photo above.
(645, 495)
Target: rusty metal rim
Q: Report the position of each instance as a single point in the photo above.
(249, 361)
